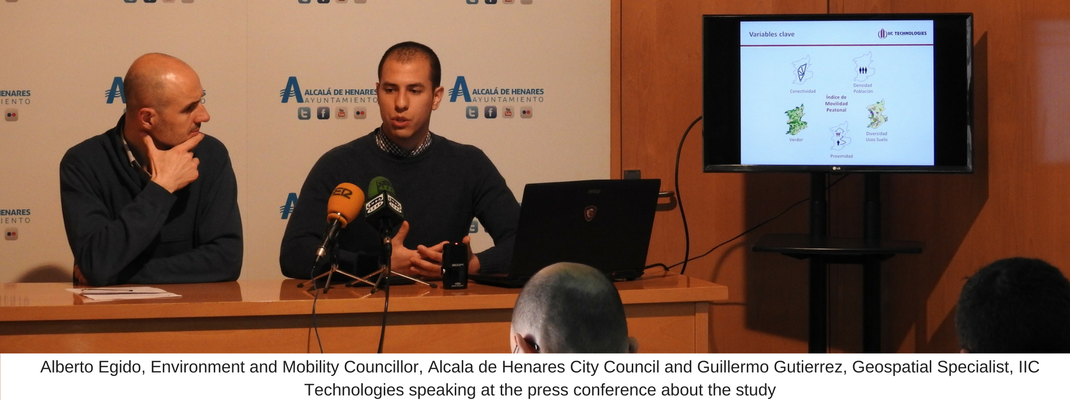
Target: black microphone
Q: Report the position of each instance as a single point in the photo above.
(343, 206)
(383, 210)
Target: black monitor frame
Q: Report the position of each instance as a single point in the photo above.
(953, 95)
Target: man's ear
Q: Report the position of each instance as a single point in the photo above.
(436, 97)
(524, 344)
(146, 118)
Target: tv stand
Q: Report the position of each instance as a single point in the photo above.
(823, 250)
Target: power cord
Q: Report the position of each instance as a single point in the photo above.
(749, 230)
(683, 216)
(679, 200)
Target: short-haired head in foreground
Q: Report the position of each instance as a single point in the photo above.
(570, 308)
(1015, 305)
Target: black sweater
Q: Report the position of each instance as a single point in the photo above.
(124, 228)
(441, 189)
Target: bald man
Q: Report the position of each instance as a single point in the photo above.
(570, 308)
(153, 200)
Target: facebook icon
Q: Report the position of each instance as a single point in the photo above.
(323, 113)
(490, 112)
(472, 112)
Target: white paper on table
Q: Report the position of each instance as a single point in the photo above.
(123, 293)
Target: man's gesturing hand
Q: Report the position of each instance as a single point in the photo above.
(175, 168)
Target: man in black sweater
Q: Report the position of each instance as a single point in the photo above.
(442, 184)
(153, 200)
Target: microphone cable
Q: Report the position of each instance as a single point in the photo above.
(315, 298)
(386, 306)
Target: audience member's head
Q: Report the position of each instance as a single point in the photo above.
(1015, 305)
(570, 308)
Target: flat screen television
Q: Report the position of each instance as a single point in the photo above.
(837, 93)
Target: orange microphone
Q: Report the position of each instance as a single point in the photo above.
(345, 203)
(343, 206)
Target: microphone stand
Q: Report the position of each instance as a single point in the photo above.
(384, 263)
(333, 254)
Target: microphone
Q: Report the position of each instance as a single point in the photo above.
(383, 209)
(343, 206)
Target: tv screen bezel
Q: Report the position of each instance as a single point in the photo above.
(952, 90)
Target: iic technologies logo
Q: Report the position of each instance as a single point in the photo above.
(288, 207)
(883, 34)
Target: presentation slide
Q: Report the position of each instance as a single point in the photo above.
(836, 93)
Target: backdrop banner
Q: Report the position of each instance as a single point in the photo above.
(527, 81)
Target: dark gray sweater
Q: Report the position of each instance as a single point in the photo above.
(124, 228)
(441, 190)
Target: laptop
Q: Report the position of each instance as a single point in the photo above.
(602, 223)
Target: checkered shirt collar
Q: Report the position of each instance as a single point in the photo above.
(392, 148)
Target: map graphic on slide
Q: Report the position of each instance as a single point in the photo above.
(876, 114)
(795, 122)
(862, 66)
(839, 136)
(802, 70)
(856, 98)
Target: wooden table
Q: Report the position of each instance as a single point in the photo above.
(667, 313)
